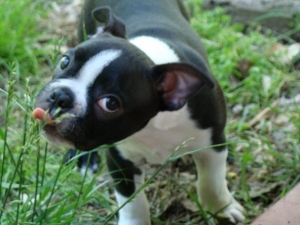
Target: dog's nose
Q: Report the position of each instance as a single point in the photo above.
(61, 100)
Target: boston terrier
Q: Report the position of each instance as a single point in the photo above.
(140, 79)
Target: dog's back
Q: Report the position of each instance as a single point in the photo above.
(170, 22)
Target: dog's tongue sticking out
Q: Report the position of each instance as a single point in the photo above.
(40, 114)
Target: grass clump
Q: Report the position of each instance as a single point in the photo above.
(18, 23)
(227, 46)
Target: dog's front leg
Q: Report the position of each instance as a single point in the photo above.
(128, 177)
(212, 187)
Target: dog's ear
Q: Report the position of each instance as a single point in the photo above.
(112, 23)
(176, 82)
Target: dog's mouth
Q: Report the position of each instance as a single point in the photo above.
(43, 116)
(50, 126)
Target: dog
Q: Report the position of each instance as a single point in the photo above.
(140, 78)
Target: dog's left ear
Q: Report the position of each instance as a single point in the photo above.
(176, 82)
(112, 23)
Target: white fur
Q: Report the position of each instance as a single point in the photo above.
(95, 65)
(85, 77)
(158, 51)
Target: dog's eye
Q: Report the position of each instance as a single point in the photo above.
(109, 104)
(64, 62)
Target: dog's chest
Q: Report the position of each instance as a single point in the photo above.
(162, 135)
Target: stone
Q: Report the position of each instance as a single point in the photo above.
(276, 15)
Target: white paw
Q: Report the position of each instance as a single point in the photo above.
(234, 212)
(225, 207)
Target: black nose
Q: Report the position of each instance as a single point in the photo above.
(61, 100)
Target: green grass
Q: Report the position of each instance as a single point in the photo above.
(19, 20)
(259, 160)
(36, 188)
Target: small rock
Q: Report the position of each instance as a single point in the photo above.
(293, 50)
(281, 120)
(237, 109)
(266, 83)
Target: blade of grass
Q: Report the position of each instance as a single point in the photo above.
(5, 143)
(52, 192)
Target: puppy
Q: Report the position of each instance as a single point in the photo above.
(141, 80)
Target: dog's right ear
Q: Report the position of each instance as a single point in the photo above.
(176, 82)
(112, 23)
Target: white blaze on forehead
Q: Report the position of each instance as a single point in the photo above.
(94, 66)
(158, 51)
(86, 77)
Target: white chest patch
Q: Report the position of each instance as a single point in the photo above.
(158, 51)
(162, 135)
(86, 76)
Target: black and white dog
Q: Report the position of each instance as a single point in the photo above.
(141, 80)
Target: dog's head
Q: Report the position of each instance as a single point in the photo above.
(106, 89)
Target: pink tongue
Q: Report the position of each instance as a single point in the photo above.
(40, 114)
